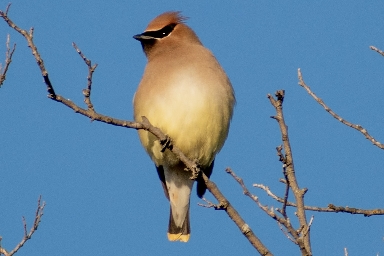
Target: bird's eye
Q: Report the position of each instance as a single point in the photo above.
(165, 31)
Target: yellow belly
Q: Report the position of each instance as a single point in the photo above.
(192, 115)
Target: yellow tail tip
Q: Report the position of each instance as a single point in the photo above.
(178, 237)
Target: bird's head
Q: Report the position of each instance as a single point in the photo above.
(166, 31)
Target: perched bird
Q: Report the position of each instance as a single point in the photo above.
(185, 92)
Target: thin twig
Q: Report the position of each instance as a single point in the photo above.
(8, 60)
(7, 9)
(309, 225)
(27, 235)
(336, 116)
(91, 69)
(329, 208)
(208, 204)
(29, 37)
(293, 234)
(376, 50)
(286, 233)
(304, 240)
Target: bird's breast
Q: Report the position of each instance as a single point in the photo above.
(190, 103)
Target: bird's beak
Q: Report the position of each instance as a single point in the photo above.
(142, 37)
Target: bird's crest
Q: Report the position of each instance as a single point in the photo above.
(165, 19)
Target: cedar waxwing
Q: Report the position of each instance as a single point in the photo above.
(185, 92)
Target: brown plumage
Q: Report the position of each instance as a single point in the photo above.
(184, 92)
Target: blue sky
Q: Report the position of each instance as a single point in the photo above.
(102, 191)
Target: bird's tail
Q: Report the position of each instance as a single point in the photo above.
(179, 187)
(176, 233)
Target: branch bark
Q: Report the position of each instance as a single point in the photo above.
(288, 166)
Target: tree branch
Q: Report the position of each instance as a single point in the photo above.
(288, 165)
(27, 235)
(8, 60)
(224, 204)
(376, 50)
(336, 116)
(91, 69)
(329, 208)
(292, 234)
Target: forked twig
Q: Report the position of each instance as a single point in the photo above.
(27, 235)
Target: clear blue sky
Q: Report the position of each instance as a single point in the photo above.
(102, 191)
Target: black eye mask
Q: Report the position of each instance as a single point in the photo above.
(165, 31)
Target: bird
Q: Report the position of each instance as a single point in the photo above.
(185, 93)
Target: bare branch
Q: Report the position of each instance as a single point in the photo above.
(309, 225)
(208, 204)
(235, 216)
(288, 164)
(3, 251)
(336, 116)
(330, 208)
(352, 210)
(286, 233)
(8, 59)
(91, 69)
(376, 50)
(290, 232)
(27, 235)
(29, 37)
